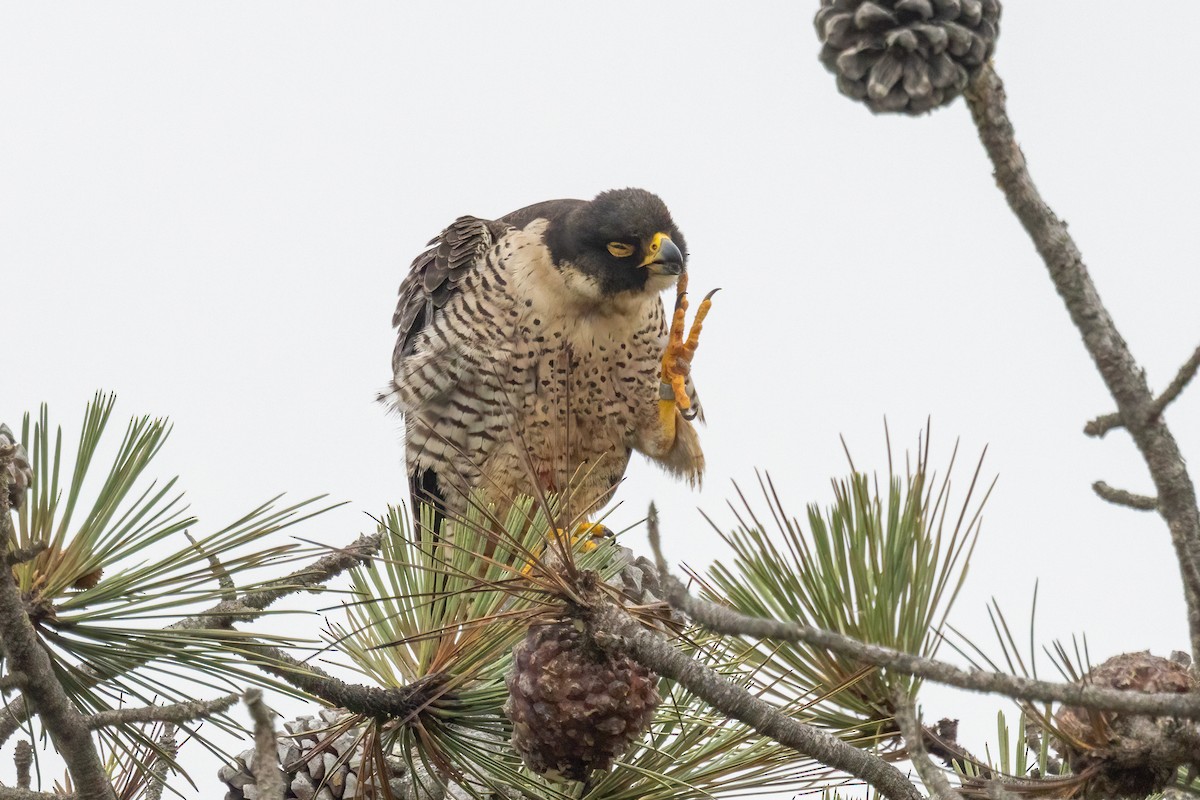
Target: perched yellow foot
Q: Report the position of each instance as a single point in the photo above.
(594, 532)
(591, 534)
(677, 358)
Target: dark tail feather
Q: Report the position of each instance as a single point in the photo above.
(425, 490)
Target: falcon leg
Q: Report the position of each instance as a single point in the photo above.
(673, 400)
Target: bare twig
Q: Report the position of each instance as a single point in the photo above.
(1106, 422)
(161, 763)
(25, 653)
(1101, 425)
(177, 713)
(25, 794)
(267, 773)
(224, 580)
(725, 620)
(914, 742)
(655, 536)
(13, 680)
(1126, 382)
(19, 555)
(16, 473)
(371, 701)
(1182, 379)
(12, 717)
(23, 760)
(1120, 497)
(613, 628)
(313, 577)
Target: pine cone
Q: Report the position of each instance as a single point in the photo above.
(639, 579)
(1130, 755)
(906, 55)
(574, 707)
(14, 461)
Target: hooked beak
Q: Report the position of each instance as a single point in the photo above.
(662, 256)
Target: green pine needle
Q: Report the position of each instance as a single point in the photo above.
(453, 612)
(880, 565)
(118, 567)
(448, 612)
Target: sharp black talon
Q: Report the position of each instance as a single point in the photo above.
(688, 413)
(710, 294)
(679, 298)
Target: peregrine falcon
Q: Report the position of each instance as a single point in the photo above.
(533, 354)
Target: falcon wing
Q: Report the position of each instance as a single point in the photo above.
(435, 275)
(432, 352)
(435, 278)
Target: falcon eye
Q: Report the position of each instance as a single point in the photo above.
(620, 249)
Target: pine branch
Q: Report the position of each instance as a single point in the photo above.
(1107, 422)
(23, 760)
(158, 769)
(267, 773)
(247, 608)
(25, 654)
(313, 577)
(914, 742)
(1121, 497)
(724, 620)
(19, 555)
(13, 716)
(176, 713)
(7, 793)
(370, 701)
(1137, 408)
(367, 700)
(224, 579)
(13, 680)
(16, 472)
(613, 628)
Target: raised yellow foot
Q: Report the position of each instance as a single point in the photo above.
(677, 358)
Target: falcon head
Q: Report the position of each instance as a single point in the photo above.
(623, 242)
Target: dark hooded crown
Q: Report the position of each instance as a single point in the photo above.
(580, 239)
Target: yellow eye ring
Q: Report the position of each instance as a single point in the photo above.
(620, 249)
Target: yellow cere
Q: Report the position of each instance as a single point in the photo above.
(656, 243)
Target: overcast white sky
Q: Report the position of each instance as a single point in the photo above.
(208, 208)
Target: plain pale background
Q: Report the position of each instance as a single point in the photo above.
(208, 208)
